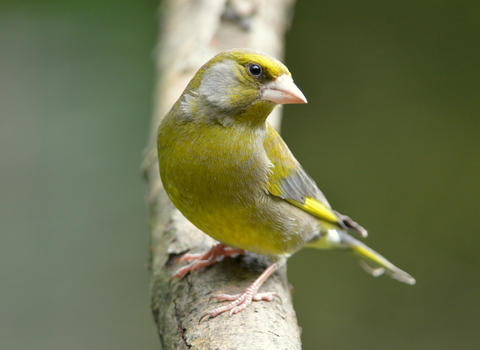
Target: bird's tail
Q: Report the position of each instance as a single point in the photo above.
(370, 260)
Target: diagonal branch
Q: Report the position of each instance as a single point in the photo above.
(192, 31)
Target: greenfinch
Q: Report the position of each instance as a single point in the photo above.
(230, 173)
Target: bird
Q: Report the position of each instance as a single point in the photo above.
(229, 172)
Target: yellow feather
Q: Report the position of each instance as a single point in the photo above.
(317, 209)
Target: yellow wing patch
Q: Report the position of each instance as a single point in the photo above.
(317, 209)
(290, 182)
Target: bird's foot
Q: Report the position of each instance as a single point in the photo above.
(219, 250)
(239, 301)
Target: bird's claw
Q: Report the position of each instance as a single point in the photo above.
(219, 250)
(239, 302)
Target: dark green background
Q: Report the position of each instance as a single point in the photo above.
(391, 134)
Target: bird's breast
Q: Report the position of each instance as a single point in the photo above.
(218, 180)
(217, 167)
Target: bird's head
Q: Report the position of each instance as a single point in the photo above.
(242, 83)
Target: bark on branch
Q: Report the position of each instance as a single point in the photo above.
(192, 31)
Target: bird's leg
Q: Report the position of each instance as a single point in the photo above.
(241, 301)
(205, 259)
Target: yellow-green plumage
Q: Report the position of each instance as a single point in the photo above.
(231, 174)
(225, 194)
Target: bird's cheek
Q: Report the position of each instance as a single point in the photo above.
(240, 97)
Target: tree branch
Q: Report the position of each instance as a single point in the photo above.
(193, 31)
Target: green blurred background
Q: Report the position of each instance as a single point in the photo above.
(391, 134)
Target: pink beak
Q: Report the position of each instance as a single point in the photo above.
(282, 91)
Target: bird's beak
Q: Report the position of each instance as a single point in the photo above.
(282, 91)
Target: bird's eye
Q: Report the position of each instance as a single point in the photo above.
(255, 70)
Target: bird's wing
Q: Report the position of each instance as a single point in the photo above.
(290, 182)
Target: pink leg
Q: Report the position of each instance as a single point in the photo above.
(206, 259)
(241, 301)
